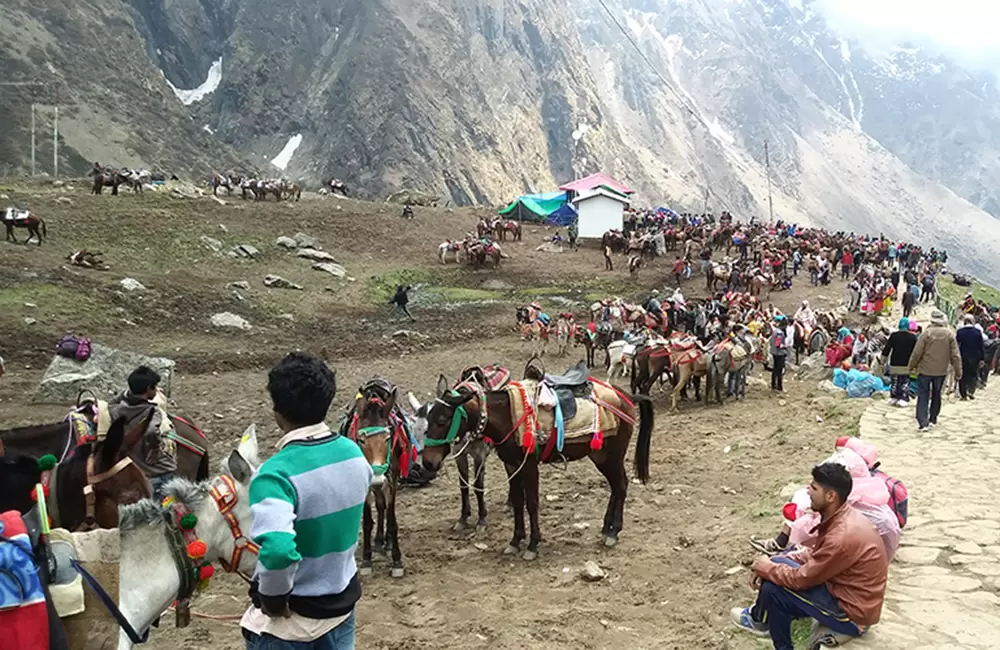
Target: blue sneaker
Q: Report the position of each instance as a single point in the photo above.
(742, 619)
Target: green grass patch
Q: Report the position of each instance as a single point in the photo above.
(381, 288)
(956, 293)
(461, 294)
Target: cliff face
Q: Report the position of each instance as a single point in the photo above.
(478, 100)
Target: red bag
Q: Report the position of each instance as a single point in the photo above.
(83, 349)
(898, 496)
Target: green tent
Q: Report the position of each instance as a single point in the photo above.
(534, 207)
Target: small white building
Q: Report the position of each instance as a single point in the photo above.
(600, 210)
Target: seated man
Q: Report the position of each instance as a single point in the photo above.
(155, 454)
(840, 582)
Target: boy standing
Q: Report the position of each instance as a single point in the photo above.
(306, 502)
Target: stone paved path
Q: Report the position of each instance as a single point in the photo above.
(944, 585)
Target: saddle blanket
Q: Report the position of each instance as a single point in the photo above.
(13, 214)
(23, 614)
(589, 417)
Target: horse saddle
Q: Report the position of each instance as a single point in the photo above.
(13, 214)
(568, 386)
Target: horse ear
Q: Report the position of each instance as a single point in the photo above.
(239, 468)
(390, 402)
(442, 386)
(112, 443)
(414, 403)
(247, 448)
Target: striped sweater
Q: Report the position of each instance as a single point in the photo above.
(307, 502)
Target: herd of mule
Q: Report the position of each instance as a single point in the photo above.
(93, 483)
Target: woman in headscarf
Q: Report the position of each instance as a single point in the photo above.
(840, 349)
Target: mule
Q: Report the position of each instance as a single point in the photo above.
(151, 570)
(290, 190)
(486, 415)
(58, 439)
(107, 177)
(723, 362)
(467, 447)
(564, 334)
(449, 248)
(379, 428)
(35, 225)
(89, 484)
(808, 341)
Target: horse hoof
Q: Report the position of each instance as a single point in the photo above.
(511, 550)
(397, 572)
(610, 541)
(459, 526)
(365, 571)
(481, 528)
(529, 556)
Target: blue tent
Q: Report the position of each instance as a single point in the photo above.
(562, 217)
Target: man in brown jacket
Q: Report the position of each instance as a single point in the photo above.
(935, 350)
(840, 582)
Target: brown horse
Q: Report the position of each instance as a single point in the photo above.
(504, 227)
(291, 189)
(107, 177)
(486, 415)
(378, 426)
(89, 484)
(23, 219)
(57, 439)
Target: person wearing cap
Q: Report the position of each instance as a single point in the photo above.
(936, 348)
(897, 352)
(779, 352)
(973, 352)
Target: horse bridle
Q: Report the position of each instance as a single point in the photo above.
(460, 414)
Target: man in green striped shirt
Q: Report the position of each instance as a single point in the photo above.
(307, 502)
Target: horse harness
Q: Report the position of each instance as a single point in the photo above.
(182, 541)
(396, 428)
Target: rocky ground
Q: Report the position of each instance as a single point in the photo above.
(718, 473)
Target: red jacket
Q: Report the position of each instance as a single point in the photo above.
(847, 259)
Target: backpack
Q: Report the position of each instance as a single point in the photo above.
(83, 349)
(67, 346)
(73, 347)
(898, 496)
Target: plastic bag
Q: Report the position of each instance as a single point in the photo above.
(885, 522)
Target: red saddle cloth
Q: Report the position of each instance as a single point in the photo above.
(24, 620)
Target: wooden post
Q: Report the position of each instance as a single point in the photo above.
(32, 139)
(55, 144)
(767, 166)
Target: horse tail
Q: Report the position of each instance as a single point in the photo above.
(645, 436)
(45, 233)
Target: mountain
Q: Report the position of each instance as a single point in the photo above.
(478, 100)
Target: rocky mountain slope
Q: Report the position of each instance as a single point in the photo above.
(478, 100)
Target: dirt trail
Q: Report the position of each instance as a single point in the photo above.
(717, 472)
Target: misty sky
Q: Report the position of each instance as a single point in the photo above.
(968, 30)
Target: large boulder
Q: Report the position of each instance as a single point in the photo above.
(105, 372)
(229, 320)
(316, 255)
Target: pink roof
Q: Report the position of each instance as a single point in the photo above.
(596, 180)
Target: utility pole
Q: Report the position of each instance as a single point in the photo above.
(767, 166)
(55, 144)
(705, 211)
(32, 139)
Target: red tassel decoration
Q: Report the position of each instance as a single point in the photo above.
(206, 572)
(597, 441)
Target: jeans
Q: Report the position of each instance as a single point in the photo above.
(780, 606)
(777, 371)
(928, 390)
(339, 638)
(899, 387)
(970, 378)
(402, 308)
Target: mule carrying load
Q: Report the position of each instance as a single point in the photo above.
(103, 589)
(546, 419)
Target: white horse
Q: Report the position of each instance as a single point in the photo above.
(449, 247)
(620, 355)
(150, 581)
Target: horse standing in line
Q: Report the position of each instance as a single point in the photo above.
(379, 428)
(486, 415)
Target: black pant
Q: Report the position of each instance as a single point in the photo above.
(970, 377)
(777, 371)
(900, 387)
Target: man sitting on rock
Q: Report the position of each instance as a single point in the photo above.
(840, 582)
